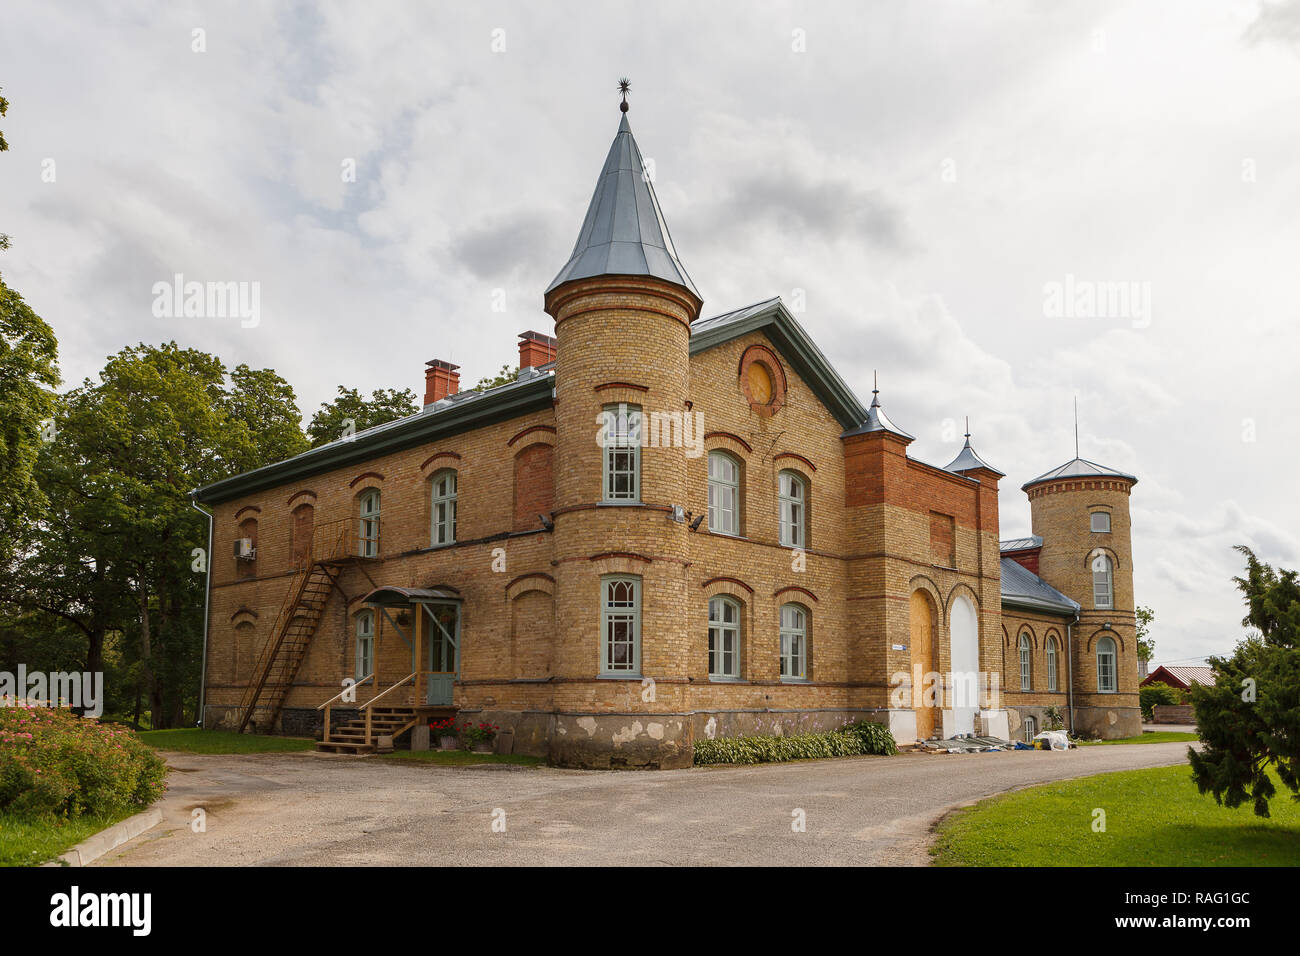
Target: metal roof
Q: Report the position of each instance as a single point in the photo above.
(533, 389)
(877, 421)
(1185, 675)
(1021, 544)
(967, 460)
(624, 232)
(390, 596)
(1079, 468)
(1022, 588)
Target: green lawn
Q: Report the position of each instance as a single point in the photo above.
(27, 843)
(196, 740)
(1153, 737)
(460, 758)
(1153, 818)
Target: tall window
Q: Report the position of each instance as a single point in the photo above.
(1106, 666)
(1051, 665)
(724, 493)
(1100, 521)
(368, 539)
(1031, 729)
(621, 441)
(1026, 663)
(724, 638)
(365, 644)
(443, 529)
(794, 642)
(1102, 581)
(792, 494)
(620, 625)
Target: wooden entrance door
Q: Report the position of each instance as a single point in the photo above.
(923, 661)
(444, 651)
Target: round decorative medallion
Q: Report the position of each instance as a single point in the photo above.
(762, 380)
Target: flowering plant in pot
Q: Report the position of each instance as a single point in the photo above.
(478, 737)
(445, 732)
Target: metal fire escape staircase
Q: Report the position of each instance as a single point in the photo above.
(332, 548)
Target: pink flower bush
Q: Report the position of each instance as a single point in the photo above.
(54, 763)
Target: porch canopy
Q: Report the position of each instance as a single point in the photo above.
(391, 596)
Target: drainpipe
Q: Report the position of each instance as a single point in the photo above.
(207, 592)
(1069, 665)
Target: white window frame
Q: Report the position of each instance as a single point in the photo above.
(1103, 585)
(724, 514)
(1031, 728)
(442, 507)
(365, 646)
(1053, 682)
(613, 613)
(1107, 669)
(621, 453)
(724, 638)
(1026, 662)
(1092, 522)
(368, 527)
(794, 643)
(793, 508)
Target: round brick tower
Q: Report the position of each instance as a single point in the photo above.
(622, 306)
(1081, 511)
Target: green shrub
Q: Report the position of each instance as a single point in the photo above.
(851, 741)
(56, 764)
(1156, 693)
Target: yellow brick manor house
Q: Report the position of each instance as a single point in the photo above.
(666, 528)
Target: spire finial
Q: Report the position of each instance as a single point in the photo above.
(1076, 426)
(875, 386)
(968, 429)
(624, 87)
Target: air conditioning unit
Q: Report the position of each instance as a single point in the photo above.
(244, 550)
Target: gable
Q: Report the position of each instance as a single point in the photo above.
(793, 344)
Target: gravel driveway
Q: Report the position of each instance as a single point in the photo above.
(294, 809)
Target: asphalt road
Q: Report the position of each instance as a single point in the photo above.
(308, 809)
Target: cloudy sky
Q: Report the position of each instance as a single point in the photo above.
(925, 177)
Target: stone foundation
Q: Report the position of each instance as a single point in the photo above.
(1107, 723)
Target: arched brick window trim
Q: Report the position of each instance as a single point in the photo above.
(605, 386)
(437, 456)
(790, 454)
(534, 579)
(735, 581)
(970, 593)
(1092, 553)
(795, 587)
(542, 429)
(921, 582)
(630, 555)
(764, 355)
(1099, 634)
(253, 508)
(729, 436)
(244, 612)
(305, 493)
(1033, 638)
(363, 476)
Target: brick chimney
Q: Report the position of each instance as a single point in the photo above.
(535, 349)
(440, 380)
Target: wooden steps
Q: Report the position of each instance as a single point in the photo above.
(351, 737)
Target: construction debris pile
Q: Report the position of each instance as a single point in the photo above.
(973, 743)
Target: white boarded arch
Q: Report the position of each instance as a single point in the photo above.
(964, 638)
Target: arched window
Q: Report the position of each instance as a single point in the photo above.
(724, 493)
(794, 642)
(724, 638)
(620, 624)
(1051, 665)
(621, 446)
(1026, 663)
(365, 644)
(368, 535)
(1031, 729)
(1103, 594)
(443, 521)
(1106, 666)
(792, 494)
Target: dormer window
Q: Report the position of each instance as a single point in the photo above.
(1101, 521)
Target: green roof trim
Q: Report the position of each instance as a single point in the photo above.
(774, 319)
(435, 422)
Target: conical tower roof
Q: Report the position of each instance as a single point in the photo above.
(624, 233)
(968, 460)
(1079, 468)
